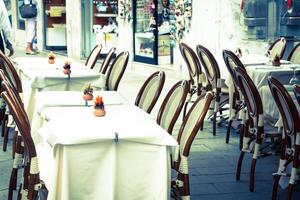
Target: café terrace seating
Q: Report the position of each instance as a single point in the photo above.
(205, 92)
(12, 75)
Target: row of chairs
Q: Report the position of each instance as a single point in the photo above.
(255, 134)
(114, 74)
(167, 116)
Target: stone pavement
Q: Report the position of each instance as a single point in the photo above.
(212, 162)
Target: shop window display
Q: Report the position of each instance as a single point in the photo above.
(158, 24)
(151, 30)
(105, 26)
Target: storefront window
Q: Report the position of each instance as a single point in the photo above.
(145, 27)
(20, 21)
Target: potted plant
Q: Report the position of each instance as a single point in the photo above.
(67, 67)
(99, 109)
(88, 93)
(51, 58)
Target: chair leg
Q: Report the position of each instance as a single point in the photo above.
(239, 166)
(5, 135)
(5, 118)
(214, 123)
(252, 174)
(2, 114)
(290, 192)
(275, 186)
(228, 131)
(12, 183)
(14, 147)
(185, 189)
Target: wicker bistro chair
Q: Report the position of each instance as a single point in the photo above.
(31, 181)
(291, 136)
(236, 103)
(214, 82)
(18, 144)
(297, 93)
(294, 55)
(197, 78)
(107, 60)
(93, 57)
(13, 77)
(187, 132)
(277, 48)
(172, 105)
(116, 71)
(150, 91)
(257, 134)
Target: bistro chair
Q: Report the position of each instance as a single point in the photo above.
(172, 105)
(150, 91)
(236, 103)
(107, 60)
(214, 82)
(116, 71)
(13, 77)
(297, 93)
(255, 137)
(277, 48)
(294, 55)
(93, 57)
(290, 139)
(197, 78)
(31, 180)
(187, 132)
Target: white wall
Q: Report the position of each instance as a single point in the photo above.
(74, 28)
(216, 24)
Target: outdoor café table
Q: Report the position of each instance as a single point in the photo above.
(259, 73)
(37, 75)
(45, 99)
(271, 111)
(123, 155)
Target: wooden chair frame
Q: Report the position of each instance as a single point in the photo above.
(120, 75)
(291, 136)
(256, 133)
(214, 84)
(97, 48)
(180, 161)
(161, 75)
(107, 60)
(162, 110)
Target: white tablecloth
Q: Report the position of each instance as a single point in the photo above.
(124, 155)
(259, 74)
(47, 99)
(37, 75)
(270, 108)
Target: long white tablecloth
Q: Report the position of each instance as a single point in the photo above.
(37, 75)
(124, 155)
(260, 72)
(270, 108)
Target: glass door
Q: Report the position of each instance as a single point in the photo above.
(145, 31)
(55, 25)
